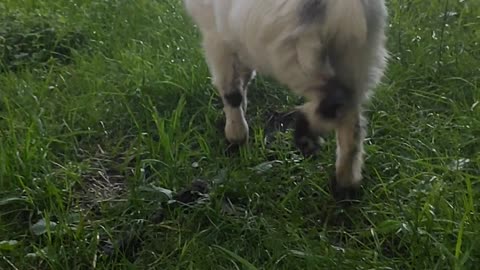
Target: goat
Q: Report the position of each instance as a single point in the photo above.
(332, 52)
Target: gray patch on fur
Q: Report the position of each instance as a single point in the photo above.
(312, 11)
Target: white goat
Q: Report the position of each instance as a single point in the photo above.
(332, 52)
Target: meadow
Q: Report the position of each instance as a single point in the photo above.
(112, 154)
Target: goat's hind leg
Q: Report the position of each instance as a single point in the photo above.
(321, 115)
(336, 109)
(348, 175)
(228, 77)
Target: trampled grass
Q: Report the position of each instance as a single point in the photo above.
(107, 112)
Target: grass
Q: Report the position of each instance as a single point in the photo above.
(107, 112)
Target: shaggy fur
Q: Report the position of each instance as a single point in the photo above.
(330, 51)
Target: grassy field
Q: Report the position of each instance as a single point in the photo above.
(108, 122)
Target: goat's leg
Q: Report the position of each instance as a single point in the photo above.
(227, 77)
(247, 75)
(350, 135)
(319, 116)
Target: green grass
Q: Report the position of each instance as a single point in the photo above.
(106, 108)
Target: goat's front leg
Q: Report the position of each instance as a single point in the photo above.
(350, 136)
(247, 75)
(229, 77)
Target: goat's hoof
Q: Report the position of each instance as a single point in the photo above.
(305, 140)
(344, 195)
(232, 149)
(237, 133)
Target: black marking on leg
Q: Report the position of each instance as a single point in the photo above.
(341, 194)
(337, 97)
(305, 139)
(234, 99)
(312, 11)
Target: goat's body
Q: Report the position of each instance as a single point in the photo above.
(271, 37)
(304, 44)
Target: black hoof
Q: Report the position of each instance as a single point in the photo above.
(344, 194)
(238, 142)
(305, 140)
(232, 149)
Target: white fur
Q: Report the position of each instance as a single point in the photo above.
(269, 36)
